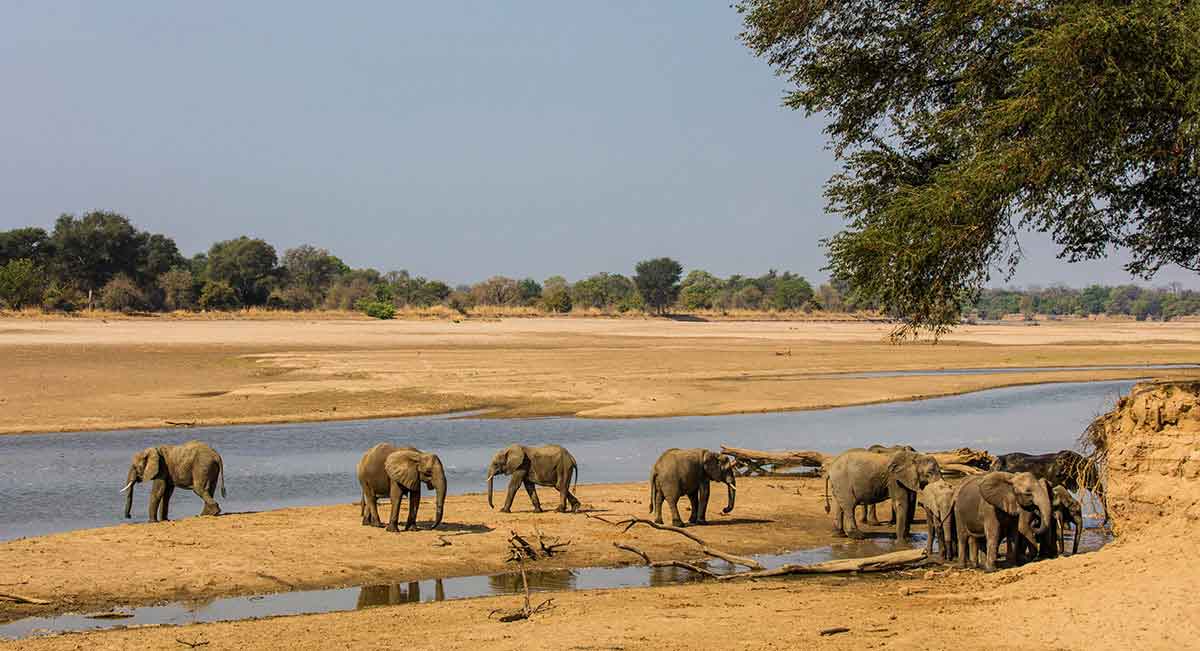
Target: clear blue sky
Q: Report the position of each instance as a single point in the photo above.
(453, 139)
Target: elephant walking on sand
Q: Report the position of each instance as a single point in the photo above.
(990, 507)
(398, 472)
(856, 477)
(192, 465)
(546, 465)
(688, 472)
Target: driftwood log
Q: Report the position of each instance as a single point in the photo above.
(22, 599)
(963, 461)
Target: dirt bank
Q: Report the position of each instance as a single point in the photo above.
(1137, 593)
(81, 374)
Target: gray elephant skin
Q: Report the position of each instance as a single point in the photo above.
(937, 499)
(532, 466)
(398, 472)
(680, 472)
(857, 477)
(990, 507)
(192, 465)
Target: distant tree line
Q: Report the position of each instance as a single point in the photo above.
(101, 260)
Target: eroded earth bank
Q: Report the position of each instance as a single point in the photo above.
(1137, 592)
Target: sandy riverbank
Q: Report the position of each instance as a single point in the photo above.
(77, 374)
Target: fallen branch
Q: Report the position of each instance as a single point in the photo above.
(681, 564)
(960, 469)
(755, 462)
(176, 423)
(834, 630)
(22, 599)
(881, 563)
(192, 644)
(709, 551)
(441, 542)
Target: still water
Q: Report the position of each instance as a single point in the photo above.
(58, 482)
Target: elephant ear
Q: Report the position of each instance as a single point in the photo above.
(514, 459)
(153, 464)
(997, 489)
(711, 463)
(903, 467)
(401, 467)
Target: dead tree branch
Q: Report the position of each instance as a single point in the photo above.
(704, 547)
(22, 599)
(687, 566)
(880, 563)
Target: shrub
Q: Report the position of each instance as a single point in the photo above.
(218, 296)
(61, 298)
(556, 299)
(178, 289)
(20, 283)
(377, 309)
(460, 302)
(121, 294)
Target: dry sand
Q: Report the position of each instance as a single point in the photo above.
(78, 374)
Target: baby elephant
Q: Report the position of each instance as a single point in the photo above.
(688, 472)
(938, 500)
(192, 465)
(546, 465)
(1067, 510)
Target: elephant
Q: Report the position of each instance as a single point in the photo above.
(546, 465)
(990, 506)
(192, 465)
(855, 478)
(680, 472)
(1067, 510)
(869, 515)
(1064, 468)
(938, 500)
(396, 472)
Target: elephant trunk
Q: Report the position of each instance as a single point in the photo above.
(439, 485)
(1041, 499)
(490, 480)
(1078, 534)
(732, 493)
(130, 481)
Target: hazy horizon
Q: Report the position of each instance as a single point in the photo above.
(455, 141)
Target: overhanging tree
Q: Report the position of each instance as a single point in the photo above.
(964, 122)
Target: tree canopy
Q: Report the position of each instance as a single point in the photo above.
(658, 282)
(964, 122)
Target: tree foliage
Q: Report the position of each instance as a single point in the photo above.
(657, 281)
(246, 265)
(20, 283)
(964, 122)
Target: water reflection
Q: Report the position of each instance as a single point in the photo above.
(539, 581)
(399, 593)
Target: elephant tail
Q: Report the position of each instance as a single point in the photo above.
(221, 476)
(653, 487)
(576, 471)
(827, 492)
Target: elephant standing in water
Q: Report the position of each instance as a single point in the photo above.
(546, 465)
(192, 465)
(1064, 468)
(688, 472)
(991, 506)
(399, 471)
(855, 478)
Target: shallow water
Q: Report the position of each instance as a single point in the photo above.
(463, 587)
(58, 482)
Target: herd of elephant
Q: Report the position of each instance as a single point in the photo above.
(1025, 499)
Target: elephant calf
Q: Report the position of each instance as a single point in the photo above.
(192, 465)
(546, 465)
(688, 472)
(937, 499)
(398, 472)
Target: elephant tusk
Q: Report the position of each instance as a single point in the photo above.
(126, 487)
(732, 487)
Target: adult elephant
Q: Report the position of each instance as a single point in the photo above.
(680, 472)
(1065, 468)
(870, 516)
(398, 472)
(855, 478)
(990, 506)
(545, 465)
(193, 465)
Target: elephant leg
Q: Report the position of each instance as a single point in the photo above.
(658, 504)
(210, 505)
(156, 493)
(838, 528)
(396, 494)
(705, 491)
(564, 481)
(514, 483)
(165, 505)
(370, 509)
(993, 533)
(533, 496)
(854, 531)
(870, 515)
(414, 502)
(902, 506)
(694, 502)
(930, 520)
(672, 502)
(573, 500)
